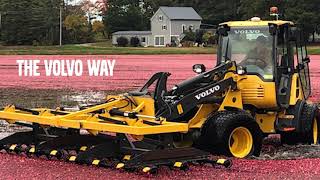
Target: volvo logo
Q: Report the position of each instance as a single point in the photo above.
(208, 92)
(247, 31)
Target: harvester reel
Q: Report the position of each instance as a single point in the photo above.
(107, 151)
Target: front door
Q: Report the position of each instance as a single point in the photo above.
(303, 61)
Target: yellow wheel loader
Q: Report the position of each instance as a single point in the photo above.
(259, 86)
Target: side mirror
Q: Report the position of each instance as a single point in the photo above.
(199, 68)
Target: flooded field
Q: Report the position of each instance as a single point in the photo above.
(131, 72)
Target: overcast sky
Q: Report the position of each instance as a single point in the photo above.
(77, 1)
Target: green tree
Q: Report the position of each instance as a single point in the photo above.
(305, 14)
(125, 15)
(78, 27)
(26, 21)
(98, 27)
(213, 11)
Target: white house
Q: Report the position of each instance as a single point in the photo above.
(167, 26)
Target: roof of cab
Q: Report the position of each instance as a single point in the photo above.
(255, 23)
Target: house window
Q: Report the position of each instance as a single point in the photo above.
(159, 41)
(164, 27)
(160, 18)
(143, 39)
(191, 27)
(184, 28)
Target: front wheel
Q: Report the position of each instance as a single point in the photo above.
(240, 142)
(231, 133)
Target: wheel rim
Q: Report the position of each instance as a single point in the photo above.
(240, 142)
(315, 131)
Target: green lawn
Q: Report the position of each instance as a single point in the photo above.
(99, 48)
(314, 50)
(106, 48)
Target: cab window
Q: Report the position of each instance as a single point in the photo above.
(250, 47)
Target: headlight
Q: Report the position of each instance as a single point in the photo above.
(241, 70)
(198, 68)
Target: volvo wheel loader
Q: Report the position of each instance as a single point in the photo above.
(259, 86)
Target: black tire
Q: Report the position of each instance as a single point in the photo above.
(305, 136)
(216, 132)
(308, 115)
(290, 138)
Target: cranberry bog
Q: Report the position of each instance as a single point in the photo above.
(131, 72)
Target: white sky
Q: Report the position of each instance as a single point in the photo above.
(78, 1)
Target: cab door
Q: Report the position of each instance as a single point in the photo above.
(284, 65)
(302, 64)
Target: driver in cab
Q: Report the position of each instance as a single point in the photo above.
(260, 56)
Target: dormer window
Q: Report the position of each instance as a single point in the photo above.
(164, 27)
(184, 28)
(191, 27)
(160, 18)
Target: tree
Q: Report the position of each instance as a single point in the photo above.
(250, 8)
(213, 11)
(305, 14)
(27, 21)
(98, 28)
(78, 27)
(125, 15)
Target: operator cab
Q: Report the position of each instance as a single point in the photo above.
(250, 47)
(273, 51)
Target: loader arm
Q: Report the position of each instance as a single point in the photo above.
(206, 88)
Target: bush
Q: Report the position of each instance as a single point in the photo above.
(187, 43)
(189, 36)
(209, 38)
(199, 35)
(135, 41)
(122, 41)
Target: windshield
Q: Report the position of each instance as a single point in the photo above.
(250, 47)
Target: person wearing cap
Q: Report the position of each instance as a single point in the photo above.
(260, 56)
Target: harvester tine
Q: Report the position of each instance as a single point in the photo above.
(108, 163)
(18, 138)
(174, 158)
(73, 142)
(99, 154)
(181, 165)
(223, 162)
(30, 151)
(150, 170)
(58, 146)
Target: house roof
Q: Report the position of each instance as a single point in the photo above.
(132, 33)
(180, 13)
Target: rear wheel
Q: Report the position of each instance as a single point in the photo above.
(310, 129)
(315, 131)
(231, 133)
